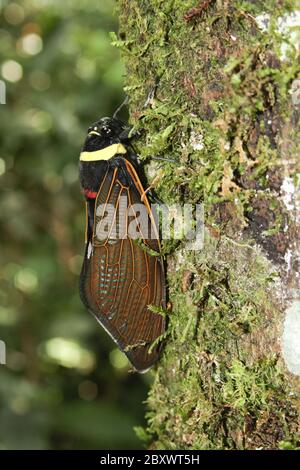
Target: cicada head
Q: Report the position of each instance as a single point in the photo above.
(105, 132)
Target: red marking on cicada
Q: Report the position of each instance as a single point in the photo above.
(90, 194)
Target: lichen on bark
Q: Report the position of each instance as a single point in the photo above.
(223, 111)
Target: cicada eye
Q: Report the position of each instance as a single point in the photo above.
(93, 130)
(106, 130)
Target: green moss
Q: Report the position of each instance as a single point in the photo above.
(208, 384)
(219, 107)
(250, 387)
(289, 445)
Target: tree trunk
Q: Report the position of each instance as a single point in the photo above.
(226, 110)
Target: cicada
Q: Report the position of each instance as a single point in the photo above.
(122, 281)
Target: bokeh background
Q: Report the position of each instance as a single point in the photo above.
(65, 385)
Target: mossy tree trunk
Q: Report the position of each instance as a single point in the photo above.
(226, 109)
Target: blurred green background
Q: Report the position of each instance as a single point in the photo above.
(65, 385)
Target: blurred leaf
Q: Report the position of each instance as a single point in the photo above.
(98, 423)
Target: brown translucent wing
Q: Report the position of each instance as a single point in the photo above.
(122, 277)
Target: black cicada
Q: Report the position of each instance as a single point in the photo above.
(122, 274)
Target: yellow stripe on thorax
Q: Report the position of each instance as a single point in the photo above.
(104, 154)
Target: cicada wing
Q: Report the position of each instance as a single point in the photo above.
(120, 278)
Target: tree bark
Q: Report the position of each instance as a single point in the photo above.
(226, 109)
